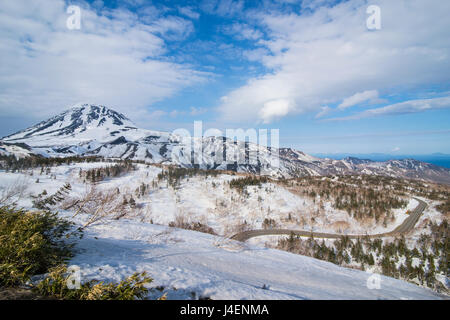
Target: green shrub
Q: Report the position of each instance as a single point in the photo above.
(31, 243)
(55, 285)
(42, 202)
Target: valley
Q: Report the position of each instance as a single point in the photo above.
(224, 204)
(141, 205)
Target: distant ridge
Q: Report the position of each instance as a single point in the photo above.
(87, 130)
(439, 159)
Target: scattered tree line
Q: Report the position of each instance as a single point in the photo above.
(174, 175)
(358, 198)
(194, 226)
(12, 164)
(96, 175)
(241, 183)
(419, 264)
(399, 186)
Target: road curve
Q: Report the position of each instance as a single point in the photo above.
(405, 227)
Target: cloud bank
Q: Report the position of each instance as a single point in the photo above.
(117, 58)
(406, 107)
(358, 98)
(327, 57)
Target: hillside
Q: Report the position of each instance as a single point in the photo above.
(126, 210)
(198, 265)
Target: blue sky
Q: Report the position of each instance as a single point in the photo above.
(309, 68)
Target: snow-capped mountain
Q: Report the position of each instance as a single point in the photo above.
(77, 127)
(88, 130)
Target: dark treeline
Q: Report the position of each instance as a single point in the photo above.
(174, 175)
(400, 186)
(241, 183)
(358, 198)
(99, 174)
(395, 258)
(195, 226)
(13, 164)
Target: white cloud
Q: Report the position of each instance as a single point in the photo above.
(411, 106)
(326, 56)
(274, 109)
(255, 54)
(358, 98)
(324, 111)
(314, 4)
(172, 28)
(115, 59)
(242, 31)
(189, 12)
(98, 4)
(193, 111)
(223, 7)
(197, 111)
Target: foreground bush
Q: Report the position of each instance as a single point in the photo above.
(55, 285)
(31, 243)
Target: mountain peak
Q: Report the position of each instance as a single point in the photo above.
(96, 111)
(81, 121)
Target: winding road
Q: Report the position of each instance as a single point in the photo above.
(405, 227)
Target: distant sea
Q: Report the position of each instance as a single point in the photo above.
(442, 163)
(442, 160)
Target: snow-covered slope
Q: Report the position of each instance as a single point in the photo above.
(206, 200)
(79, 124)
(78, 130)
(198, 264)
(19, 150)
(97, 130)
(209, 266)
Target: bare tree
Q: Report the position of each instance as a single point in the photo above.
(12, 193)
(99, 204)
